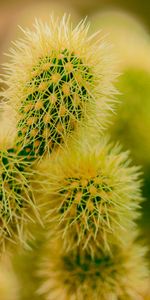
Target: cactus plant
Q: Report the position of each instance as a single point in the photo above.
(118, 275)
(53, 89)
(17, 202)
(58, 85)
(90, 195)
(131, 124)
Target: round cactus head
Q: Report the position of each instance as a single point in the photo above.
(118, 275)
(58, 84)
(91, 196)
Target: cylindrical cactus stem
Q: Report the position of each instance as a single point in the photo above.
(91, 196)
(17, 203)
(59, 80)
(56, 102)
(18, 207)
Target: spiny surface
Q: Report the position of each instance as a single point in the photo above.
(17, 204)
(55, 102)
(56, 84)
(90, 196)
(118, 275)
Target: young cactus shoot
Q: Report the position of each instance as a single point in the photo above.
(91, 196)
(56, 84)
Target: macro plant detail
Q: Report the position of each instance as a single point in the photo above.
(115, 275)
(57, 98)
(58, 87)
(60, 90)
(17, 203)
(91, 196)
(51, 92)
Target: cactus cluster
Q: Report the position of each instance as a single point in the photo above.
(60, 85)
(52, 92)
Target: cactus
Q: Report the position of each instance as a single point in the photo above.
(56, 92)
(56, 103)
(131, 124)
(91, 196)
(17, 202)
(58, 85)
(16, 196)
(118, 275)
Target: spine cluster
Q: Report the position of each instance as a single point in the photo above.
(54, 102)
(60, 85)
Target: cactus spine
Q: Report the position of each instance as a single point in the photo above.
(60, 84)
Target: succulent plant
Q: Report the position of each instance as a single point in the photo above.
(55, 102)
(131, 123)
(72, 275)
(60, 90)
(90, 196)
(57, 85)
(17, 203)
(18, 207)
(52, 90)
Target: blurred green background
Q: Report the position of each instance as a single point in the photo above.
(13, 11)
(138, 8)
